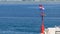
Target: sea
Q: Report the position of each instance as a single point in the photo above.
(26, 18)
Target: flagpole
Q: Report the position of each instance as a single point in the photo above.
(42, 16)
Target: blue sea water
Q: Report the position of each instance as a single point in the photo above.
(26, 19)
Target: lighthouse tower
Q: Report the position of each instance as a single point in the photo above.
(42, 15)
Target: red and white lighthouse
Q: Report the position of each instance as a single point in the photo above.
(42, 15)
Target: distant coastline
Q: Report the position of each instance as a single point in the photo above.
(18, 2)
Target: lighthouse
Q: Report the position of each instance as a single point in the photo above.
(42, 16)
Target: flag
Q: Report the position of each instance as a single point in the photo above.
(41, 7)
